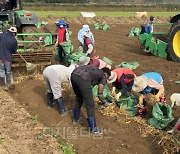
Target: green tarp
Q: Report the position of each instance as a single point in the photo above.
(162, 115)
(106, 93)
(134, 32)
(128, 102)
(130, 65)
(69, 57)
(98, 26)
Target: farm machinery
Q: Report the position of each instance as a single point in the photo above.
(165, 44)
(34, 44)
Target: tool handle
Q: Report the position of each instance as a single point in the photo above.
(22, 57)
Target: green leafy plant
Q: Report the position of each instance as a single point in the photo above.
(67, 149)
(1, 140)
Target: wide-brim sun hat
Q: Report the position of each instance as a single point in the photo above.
(140, 83)
(13, 29)
(84, 60)
(112, 78)
(61, 22)
(86, 28)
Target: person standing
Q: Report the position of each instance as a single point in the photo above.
(62, 36)
(8, 46)
(82, 79)
(149, 26)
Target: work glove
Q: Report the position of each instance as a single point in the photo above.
(140, 104)
(101, 98)
(113, 92)
(117, 96)
(156, 98)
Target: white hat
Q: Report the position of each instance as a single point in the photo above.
(140, 83)
(112, 78)
(84, 60)
(86, 28)
(13, 29)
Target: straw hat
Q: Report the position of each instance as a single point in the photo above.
(112, 78)
(140, 83)
(84, 60)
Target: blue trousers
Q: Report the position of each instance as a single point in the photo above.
(5, 69)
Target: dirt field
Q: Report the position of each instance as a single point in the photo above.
(122, 134)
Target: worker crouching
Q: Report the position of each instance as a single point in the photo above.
(54, 75)
(122, 80)
(150, 82)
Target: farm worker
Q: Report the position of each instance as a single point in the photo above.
(149, 28)
(8, 46)
(122, 79)
(150, 82)
(4, 2)
(85, 29)
(82, 79)
(54, 75)
(13, 4)
(88, 47)
(9, 4)
(61, 37)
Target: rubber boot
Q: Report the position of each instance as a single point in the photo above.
(4, 83)
(61, 107)
(11, 79)
(50, 99)
(76, 115)
(11, 85)
(92, 124)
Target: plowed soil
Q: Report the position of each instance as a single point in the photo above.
(122, 134)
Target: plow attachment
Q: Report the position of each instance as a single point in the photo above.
(37, 48)
(160, 43)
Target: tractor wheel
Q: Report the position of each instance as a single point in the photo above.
(174, 42)
(30, 30)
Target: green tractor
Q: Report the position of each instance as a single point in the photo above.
(31, 39)
(12, 14)
(174, 39)
(165, 44)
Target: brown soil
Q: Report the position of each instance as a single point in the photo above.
(20, 132)
(122, 134)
